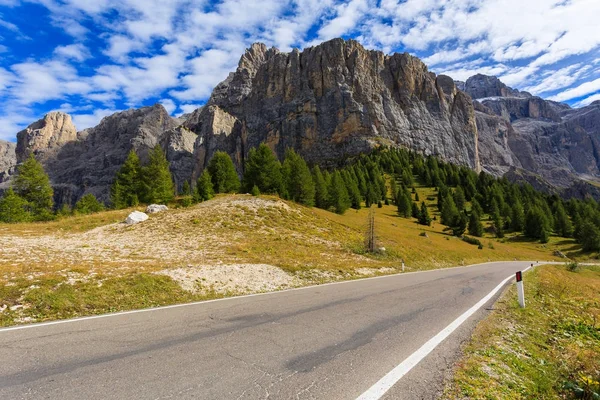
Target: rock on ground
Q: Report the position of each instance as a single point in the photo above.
(156, 208)
(136, 217)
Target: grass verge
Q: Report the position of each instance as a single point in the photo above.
(549, 350)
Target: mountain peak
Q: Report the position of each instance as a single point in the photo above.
(482, 86)
(52, 131)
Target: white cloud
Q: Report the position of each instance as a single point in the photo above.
(39, 82)
(169, 105)
(188, 108)
(347, 17)
(557, 79)
(77, 52)
(579, 91)
(206, 72)
(588, 100)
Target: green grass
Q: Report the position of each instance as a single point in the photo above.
(549, 350)
(51, 297)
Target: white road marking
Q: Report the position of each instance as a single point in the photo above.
(118, 314)
(377, 391)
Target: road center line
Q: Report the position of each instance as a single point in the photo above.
(376, 391)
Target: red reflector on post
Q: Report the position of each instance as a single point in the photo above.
(519, 276)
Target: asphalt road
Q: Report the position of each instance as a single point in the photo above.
(325, 342)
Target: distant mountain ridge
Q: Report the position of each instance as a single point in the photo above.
(329, 102)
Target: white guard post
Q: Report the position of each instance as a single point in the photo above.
(520, 289)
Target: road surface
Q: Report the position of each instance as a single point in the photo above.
(325, 342)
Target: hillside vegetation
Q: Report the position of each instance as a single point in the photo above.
(549, 350)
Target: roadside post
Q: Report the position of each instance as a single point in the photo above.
(520, 289)
(402, 265)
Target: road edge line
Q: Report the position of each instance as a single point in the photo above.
(379, 389)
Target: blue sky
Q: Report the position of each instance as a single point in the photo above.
(91, 58)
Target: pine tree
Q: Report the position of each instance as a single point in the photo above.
(126, 186)
(394, 187)
(476, 207)
(536, 223)
(353, 191)
(590, 236)
(185, 189)
(459, 198)
(517, 216)
(255, 191)
(475, 226)
(157, 183)
(204, 187)
(33, 185)
(263, 169)
(563, 224)
(424, 218)
(416, 212)
(321, 195)
(417, 197)
(88, 204)
(449, 211)
(222, 172)
(460, 224)
(497, 224)
(13, 208)
(404, 203)
(297, 180)
(338, 195)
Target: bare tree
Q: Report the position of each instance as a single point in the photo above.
(370, 239)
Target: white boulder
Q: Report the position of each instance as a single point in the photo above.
(156, 208)
(136, 217)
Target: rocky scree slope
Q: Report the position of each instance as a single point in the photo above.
(329, 102)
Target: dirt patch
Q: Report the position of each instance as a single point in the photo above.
(233, 278)
(375, 271)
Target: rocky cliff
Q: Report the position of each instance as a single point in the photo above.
(332, 101)
(548, 139)
(8, 159)
(329, 102)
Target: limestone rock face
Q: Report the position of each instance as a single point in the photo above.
(89, 164)
(178, 144)
(44, 137)
(331, 101)
(484, 86)
(8, 159)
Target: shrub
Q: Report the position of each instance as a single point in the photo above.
(472, 241)
(255, 191)
(13, 208)
(573, 266)
(88, 204)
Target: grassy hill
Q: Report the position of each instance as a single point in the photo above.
(230, 245)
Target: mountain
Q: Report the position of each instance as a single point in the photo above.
(551, 140)
(330, 102)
